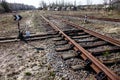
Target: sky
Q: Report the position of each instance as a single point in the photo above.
(36, 3)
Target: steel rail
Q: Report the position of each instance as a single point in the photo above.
(8, 38)
(15, 39)
(108, 39)
(96, 64)
(105, 38)
(92, 17)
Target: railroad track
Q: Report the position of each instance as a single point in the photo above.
(84, 43)
(99, 52)
(92, 17)
(32, 37)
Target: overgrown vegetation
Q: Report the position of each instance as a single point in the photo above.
(8, 7)
(106, 53)
(52, 74)
(107, 5)
(4, 6)
(28, 73)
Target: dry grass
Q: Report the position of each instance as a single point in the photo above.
(110, 30)
(99, 14)
(8, 27)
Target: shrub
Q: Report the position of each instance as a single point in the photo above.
(28, 74)
(4, 4)
(1, 9)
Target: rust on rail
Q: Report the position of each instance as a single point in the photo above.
(108, 39)
(96, 64)
(92, 17)
(31, 37)
(105, 38)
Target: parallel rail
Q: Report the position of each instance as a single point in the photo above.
(92, 17)
(108, 39)
(96, 64)
(31, 38)
(105, 38)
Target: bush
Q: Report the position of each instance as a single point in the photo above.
(4, 4)
(28, 73)
(2, 9)
(110, 8)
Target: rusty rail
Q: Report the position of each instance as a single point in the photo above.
(92, 17)
(108, 39)
(96, 65)
(15, 39)
(105, 38)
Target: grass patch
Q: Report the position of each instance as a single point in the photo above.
(52, 74)
(28, 73)
(106, 53)
(8, 27)
(19, 56)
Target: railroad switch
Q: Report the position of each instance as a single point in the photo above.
(101, 76)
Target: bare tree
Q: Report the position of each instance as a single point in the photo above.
(63, 3)
(105, 2)
(75, 3)
(5, 5)
(43, 4)
(89, 3)
(110, 1)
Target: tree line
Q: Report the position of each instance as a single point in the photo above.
(9, 7)
(106, 5)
